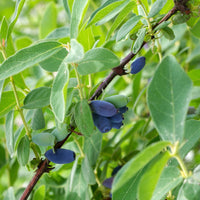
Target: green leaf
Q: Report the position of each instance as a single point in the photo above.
(38, 121)
(44, 139)
(195, 29)
(37, 98)
(18, 8)
(48, 22)
(76, 52)
(52, 63)
(3, 29)
(168, 33)
(191, 136)
(168, 98)
(8, 101)
(139, 41)
(127, 27)
(190, 189)
(94, 61)
(23, 42)
(40, 193)
(119, 19)
(150, 179)
(3, 156)
(19, 81)
(156, 7)
(106, 8)
(83, 118)
(67, 9)
(9, 194)
(112, 13)
(92, 147)
(77, 12)
(9, 132)
(28, 57)
(88, 172)
(77, 188)
(195, 54)
(59, 33)
(1, 88)
(170, 178)
(23, 150)
(138, 162)
(59, 92)
(162, 25)
(129, 190)
(195, 76)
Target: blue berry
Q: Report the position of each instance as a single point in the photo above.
(102, 123)
(60, 156)
(116, 169)
(137, 65)
(103, 108)
(117, 125)
(116, 118)
(123, 109)
(108, 182)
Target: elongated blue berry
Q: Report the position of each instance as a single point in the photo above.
(116, 169)
(103, 108)
(117, 125)
(60, 156)
(137, 65)
(123, 109)
(116, 118)
(102, 123)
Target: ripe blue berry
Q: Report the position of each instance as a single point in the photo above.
(116, 169)
(117, 125)
(116, 118)
(102, 123)
(123, 109)
(60, 156)
(108, 182)
(137, 65)
(103, 108)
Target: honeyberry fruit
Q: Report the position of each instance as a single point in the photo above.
(117, 125)
(108, 182)
(116, 169)
(60, 156)
(117, 100)
(102, 123)
(44, 139)
(123, 109)
(137, 65)
(103, 108)
(116, 118)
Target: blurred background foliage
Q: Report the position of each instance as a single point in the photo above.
(37, 20)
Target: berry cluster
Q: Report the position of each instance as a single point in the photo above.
(108, 114)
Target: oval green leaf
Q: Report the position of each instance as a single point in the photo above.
(37, 98)
(168, 98)
(137, 163)
(83, 118)
(23, 150)
(28, 57)
(94, 61)
(59, 92)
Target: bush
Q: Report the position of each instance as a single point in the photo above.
(72, 70)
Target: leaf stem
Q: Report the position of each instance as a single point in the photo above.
(19, 107)
(79, 147)
(79, 81)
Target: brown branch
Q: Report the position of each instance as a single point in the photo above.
(118, 70)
